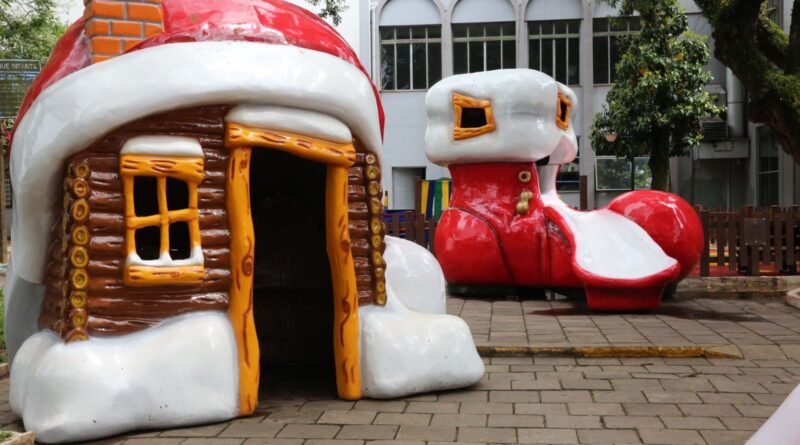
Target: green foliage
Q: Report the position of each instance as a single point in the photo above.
(331, 9)
(28, 29)
(659, 97)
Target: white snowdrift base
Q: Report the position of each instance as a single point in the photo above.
(408, 352)
(782, 427)
(182, 372)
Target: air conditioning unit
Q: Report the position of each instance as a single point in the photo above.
(714, 130)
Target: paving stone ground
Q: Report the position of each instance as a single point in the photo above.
(556, 400)
(764, 325)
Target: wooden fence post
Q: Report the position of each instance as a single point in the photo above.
(705, 269)
(411, 234)
(584, 192)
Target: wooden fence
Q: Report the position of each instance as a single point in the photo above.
(411, 226)
(751, 241)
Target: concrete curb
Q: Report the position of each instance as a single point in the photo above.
(724, 351)
(732, 287)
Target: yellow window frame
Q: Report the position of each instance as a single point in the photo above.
(460, 102)
(187, 169)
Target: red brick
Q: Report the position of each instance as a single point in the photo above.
(99, 58)
(106, 45)
(151, 29)
(141, 11)
(106, 9)
(97, 27)
(125, 28)
(130, 43)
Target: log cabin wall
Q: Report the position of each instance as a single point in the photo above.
(105, 306)
(112, 308)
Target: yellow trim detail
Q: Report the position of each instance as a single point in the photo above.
(345, 299)
(185, 169)
(312, 149)
(563, 101)
(459, 103)
(240, 310)
(143, 276)
(189, 170)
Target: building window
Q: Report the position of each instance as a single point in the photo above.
(608, 33)
(616, 174)
(160, 176)
(554, 49)
(768, 172)
(483, 47)
(411, 57)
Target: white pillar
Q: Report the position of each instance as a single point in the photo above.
(587, 107)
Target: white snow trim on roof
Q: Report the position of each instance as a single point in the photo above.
(524, 106)
(609, 245)
(294, 120)
(163, 146)
(78, 109)
(182, 372)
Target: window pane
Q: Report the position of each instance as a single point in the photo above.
(148, 242)
(574, 27)
(600, 25)
(459, 30)
(403, 33)
(600, 60)
(534, 52)
(418, 32)
(613, 174)
(177, 194)
(634, 24)
(387, 67)
(460, 58)
(642, 175)
(573, 70)
(547, 56)
(434, 63)
(387, 33)
(493, 30)
(509, 29)
(533, 28)
(509, 54)
(420, 70)
(569, 177)
(434, 32)
(476, 57)
(493, 60)
(403, 67)
(561, 60)
(475, 30)
(615, 56)
(547, 28)
(145, 195)
(560, 27)
(618, 24)
(179, 244)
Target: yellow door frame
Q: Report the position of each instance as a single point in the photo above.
(338, 157)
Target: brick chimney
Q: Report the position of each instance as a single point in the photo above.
(114, 26)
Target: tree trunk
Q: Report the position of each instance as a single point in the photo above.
(659, 165)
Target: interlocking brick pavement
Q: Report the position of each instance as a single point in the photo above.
(545, 399)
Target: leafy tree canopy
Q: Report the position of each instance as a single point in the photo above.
(765, 58)
(28, 29)
(331, 9)
(655, 106)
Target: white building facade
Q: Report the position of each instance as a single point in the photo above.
(415, 43)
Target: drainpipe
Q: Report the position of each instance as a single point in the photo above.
(735, 94)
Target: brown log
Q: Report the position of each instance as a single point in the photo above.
(358, 210)
(358, 229)
(109, 326)
(158, 308)
(356, 193)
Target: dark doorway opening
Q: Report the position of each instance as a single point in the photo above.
(292, 289)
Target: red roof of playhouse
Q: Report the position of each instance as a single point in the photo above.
(268, 21)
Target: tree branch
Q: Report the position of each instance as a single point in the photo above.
(772, 41)
(793, 52)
